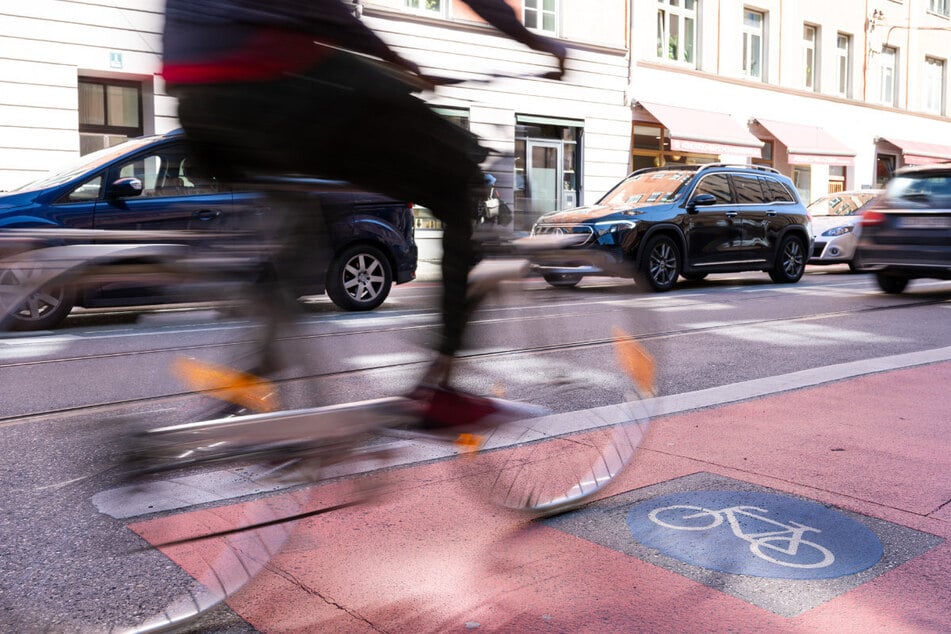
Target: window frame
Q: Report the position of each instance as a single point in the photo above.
(935, 85)
(810, 49)
(888, 76)
(422, 9)
(107, 128)
(750, 34)
(843, 66)
(939, 7)
(685, 17)
(539, 12)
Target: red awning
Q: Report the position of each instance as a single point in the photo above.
(808, 145)
(703, 132)
(918, 153)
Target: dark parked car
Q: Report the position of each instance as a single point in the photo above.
(689, 220)
(906, 233)
(151, 183)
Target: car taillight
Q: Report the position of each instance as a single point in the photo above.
(872, 218)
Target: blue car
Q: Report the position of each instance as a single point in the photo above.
(151, 183)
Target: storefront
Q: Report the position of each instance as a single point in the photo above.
(892, 153)
(664, 135)
(547, 166)
(814, 159)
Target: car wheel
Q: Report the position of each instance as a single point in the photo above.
(790, 261)
(43, 309)
(563, 280)
(660, 265)
(693, 277)
(359, 278)
(891, 283)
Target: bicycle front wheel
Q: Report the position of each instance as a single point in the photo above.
(588, 366)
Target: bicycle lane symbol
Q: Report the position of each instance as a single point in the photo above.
(755, 534)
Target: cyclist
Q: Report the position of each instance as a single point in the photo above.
(283, 86)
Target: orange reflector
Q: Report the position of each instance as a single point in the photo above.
(469, 443)
(227, 384)
(635, 360)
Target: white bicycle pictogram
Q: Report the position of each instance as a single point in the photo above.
(787, 541)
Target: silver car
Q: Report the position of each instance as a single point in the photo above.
(835, 225)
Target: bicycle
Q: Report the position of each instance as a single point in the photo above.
(786, 541)
(303, 446)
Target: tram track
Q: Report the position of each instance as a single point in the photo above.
(471, 357)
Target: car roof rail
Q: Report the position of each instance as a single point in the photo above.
(762, 168)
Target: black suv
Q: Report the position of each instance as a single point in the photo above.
(906, 232)
(689, 220)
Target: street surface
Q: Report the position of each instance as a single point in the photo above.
(825, 392)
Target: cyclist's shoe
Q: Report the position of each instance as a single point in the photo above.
(442, 409)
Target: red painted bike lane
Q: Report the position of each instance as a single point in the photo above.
(433, 558)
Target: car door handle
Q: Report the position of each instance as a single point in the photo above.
(732, 213)
(771, 212)
(207, 214)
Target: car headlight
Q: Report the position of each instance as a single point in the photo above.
(608, 231)
(838, 231)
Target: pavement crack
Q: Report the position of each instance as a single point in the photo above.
(316, 593)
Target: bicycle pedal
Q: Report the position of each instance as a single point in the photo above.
(635, 361)
(469, 443)
(227, 384)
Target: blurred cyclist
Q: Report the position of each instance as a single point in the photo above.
(284, 87)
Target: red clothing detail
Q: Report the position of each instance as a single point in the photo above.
(269, 55)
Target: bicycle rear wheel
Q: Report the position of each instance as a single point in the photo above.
(585, 361)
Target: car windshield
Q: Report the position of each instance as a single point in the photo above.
(920, 185)
(648, 188)
(841, 204)
(86, 163)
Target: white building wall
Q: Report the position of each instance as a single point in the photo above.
(45, 46)
(715, 82)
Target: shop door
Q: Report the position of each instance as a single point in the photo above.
(544, 176)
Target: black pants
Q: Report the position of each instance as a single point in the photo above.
(351, 120)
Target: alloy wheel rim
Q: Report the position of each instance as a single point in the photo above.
(793, 259)
(363, 277)
(663, 263)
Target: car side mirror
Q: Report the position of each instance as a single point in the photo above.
(700, 200)
(125, 188)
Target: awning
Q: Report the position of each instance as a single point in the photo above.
(918, 153)
(808, 145)
(703, 132)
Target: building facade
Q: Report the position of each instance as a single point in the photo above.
(834, 94)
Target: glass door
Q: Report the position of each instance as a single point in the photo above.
(544, 176)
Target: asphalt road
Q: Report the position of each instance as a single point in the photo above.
(65, 394)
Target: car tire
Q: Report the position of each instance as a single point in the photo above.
(660, 263)
(44, 309)
(359, 278)
(694, 277)
(790, 261)
(893, 284)
(563, 280)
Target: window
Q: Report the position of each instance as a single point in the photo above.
(754, 24)
(938, 6)
(776, 191)
(168, 173)
(810, 57)
(843, 65)
(802, 179)
(718, 185)
(541, 15)
(888, 76)
(110, 112)
(934, 86)
(748, 191)
(425, 6)
(677, 30)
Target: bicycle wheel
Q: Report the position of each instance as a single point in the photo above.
(592, 375)
(801, 554)
(683, 517)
